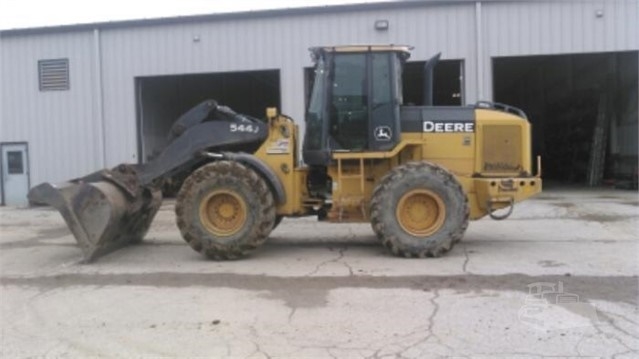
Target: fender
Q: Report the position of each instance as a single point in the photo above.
(264, 170)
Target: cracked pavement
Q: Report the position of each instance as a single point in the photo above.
(557, 279)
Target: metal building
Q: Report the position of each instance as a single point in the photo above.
(74, 99)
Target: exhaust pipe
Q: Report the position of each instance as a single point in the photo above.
(429, 79)
(105, 210)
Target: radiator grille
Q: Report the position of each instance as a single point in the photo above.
(502, 149)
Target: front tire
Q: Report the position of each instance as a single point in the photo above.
(225, 210)
(419, 210)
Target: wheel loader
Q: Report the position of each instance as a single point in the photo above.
(417, 174)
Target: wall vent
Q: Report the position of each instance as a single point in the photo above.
(53, 74)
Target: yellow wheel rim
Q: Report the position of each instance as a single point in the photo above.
(420, 212)
(223, 213)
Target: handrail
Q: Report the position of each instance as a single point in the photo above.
(501, 107)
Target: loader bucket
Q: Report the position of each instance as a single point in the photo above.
(101, 215)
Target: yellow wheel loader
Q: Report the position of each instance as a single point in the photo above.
(418, 174)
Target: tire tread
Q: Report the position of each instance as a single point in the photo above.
(238, 172)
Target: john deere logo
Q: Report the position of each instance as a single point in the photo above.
(383, 133)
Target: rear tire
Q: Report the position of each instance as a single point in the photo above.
(419, 210)
(224, 210)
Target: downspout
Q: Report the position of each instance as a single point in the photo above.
(98, 93)
(479, 52)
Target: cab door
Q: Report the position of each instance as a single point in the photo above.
(364, 101)
(348, 102)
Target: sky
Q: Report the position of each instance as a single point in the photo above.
(37, 13)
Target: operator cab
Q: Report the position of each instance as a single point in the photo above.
(355, 101)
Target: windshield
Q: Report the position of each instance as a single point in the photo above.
(315, 108)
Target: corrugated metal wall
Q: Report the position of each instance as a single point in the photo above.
(59, 126)
(64, 131)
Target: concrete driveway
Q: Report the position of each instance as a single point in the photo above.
(559, 278)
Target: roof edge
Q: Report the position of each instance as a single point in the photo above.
(229, 16)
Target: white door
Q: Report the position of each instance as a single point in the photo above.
(15, 174)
